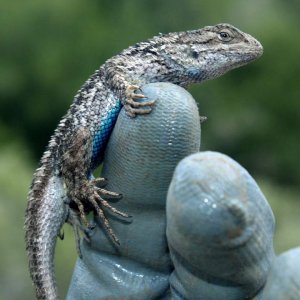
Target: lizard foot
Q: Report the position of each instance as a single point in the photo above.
(89, 194)
(73, 219)
(132, 106)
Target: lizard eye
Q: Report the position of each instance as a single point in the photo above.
(225, 36)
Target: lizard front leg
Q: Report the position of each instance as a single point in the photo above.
(132, 104)
(128, 90)
(85, 194)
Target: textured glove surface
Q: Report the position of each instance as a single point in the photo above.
(139, 163)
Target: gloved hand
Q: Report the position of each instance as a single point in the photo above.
(219, 225)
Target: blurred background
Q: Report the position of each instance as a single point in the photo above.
(49, 48)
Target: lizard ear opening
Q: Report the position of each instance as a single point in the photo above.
(195, 53)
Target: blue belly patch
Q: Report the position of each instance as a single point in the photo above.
(103, 133)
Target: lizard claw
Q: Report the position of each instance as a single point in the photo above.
(132, 106)
(99, 182)
(108, 194)
(132, 112)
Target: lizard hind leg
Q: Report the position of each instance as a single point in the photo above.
(84, 193)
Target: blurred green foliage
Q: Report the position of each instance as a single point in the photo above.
(48, 49)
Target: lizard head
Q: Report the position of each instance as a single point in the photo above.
(207, 53)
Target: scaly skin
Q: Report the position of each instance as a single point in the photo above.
(63, 189)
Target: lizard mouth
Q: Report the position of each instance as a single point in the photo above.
(252, 55)
(242, 58)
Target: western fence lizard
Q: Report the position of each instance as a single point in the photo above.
(63, 188)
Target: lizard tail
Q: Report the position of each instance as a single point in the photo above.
(46, 213)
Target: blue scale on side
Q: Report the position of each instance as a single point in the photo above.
(103, 133)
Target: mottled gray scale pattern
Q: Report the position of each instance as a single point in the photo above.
(181, 58)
